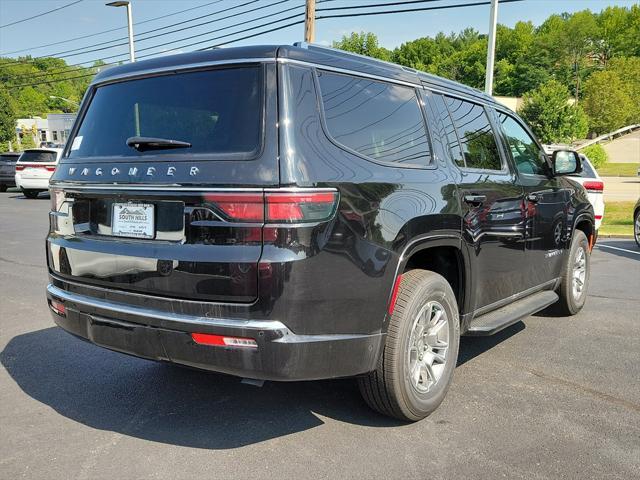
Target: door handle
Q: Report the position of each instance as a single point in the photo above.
(475, 199)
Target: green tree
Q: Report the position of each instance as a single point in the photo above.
(7, 118)
(607, 102)
(363, 43)
(596, 154)
(552, 118)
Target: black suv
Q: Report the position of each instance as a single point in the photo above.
(299, 213)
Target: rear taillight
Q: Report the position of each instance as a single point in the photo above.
(276, 206)
(245, 207)
(300, 206)
(48, 168)
(594, 186)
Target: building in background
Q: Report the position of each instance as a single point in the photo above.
(60, 126)
(54, 129)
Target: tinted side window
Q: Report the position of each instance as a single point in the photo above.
(449, 130)
(527, 156)
(476, 135)
(379, 120)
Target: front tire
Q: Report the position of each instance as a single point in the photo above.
(420, 353)
(574, 280)
(30, 193)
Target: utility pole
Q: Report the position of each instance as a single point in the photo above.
(491, 48)
(310, 22)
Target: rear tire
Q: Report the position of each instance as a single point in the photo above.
(636, 227)
(30, 193)
(416, 365)
(574, 280)
(4, 187)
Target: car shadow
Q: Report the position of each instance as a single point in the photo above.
(180, 406)
(471, 347)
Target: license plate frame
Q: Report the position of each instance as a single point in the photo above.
(133, 220)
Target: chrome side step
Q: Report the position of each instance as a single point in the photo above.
(496, 320)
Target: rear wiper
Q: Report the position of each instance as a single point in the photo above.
(153, 143)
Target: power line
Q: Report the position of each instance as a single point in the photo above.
(40, 14)
(376, 5)
(110, 30)
(65, 53)
(419, 9)
(260, 33)
(206, 48)
(42, 74)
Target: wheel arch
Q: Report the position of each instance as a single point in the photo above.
(442, 254)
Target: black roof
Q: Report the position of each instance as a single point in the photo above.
(306, 53)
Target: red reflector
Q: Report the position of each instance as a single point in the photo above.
(598, 217)
(51, 168)
(58, 307)
(222, 341)
(248, 207)
(595, 186)
(394, 294)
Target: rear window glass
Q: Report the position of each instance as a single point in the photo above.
(587, 169)
(216, 111)
(379, 120)
(9, 158)
(38, 156)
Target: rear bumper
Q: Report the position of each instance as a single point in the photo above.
(7, 179)
(31, 183)
(158, 335)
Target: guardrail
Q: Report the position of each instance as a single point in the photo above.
(610, 135)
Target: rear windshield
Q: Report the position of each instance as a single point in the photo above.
(216, 111)
(38, 156)
(9, 158)
(587, 170)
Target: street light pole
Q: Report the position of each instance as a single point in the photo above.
(491, 48)
(65, 100)
(127, 3)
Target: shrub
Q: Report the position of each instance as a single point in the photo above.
(551, 117)
(596, 154)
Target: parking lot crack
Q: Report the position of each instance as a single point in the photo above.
(603, 396)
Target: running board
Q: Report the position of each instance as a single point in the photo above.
(496, 320)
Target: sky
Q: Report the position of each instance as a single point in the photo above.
(91, 16)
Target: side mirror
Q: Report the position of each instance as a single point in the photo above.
(566, 162)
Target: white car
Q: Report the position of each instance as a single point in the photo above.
(34, 169)
(594, 186)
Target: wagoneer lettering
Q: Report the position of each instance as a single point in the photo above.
(299, 213)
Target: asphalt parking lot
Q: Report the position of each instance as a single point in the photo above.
(550, 397)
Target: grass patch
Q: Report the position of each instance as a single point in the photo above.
(619, 170)
(618, 218)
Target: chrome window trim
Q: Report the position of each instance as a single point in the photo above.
(174, 187)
